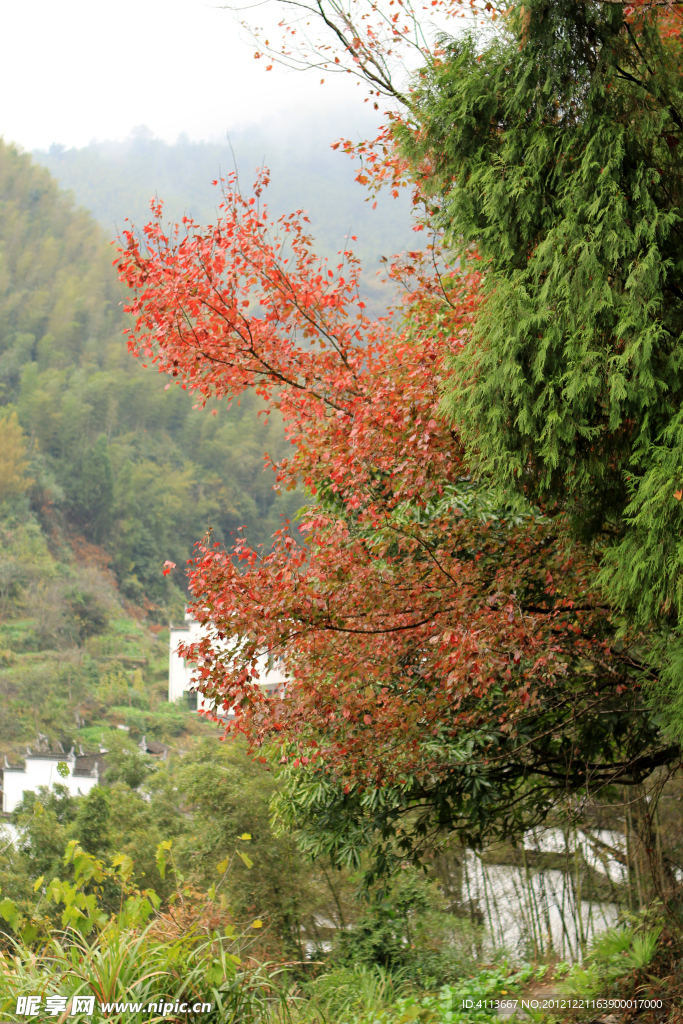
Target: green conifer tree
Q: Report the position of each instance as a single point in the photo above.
(553, 153)
(95, 495)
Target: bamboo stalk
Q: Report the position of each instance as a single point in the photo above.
(546, 911)
(581, 938)
(658, 846)
(627, 836)
(529, 901)
(486, 896)
(636, 858)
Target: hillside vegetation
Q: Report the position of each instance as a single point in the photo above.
(103, 476)
(111, 455)
(466, 768)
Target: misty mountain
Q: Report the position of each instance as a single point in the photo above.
(116, 180)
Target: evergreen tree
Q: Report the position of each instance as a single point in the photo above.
(13, 461)
(553, 153)
(92, 822)
(95, 495)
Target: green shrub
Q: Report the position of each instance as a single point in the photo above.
(406, 927)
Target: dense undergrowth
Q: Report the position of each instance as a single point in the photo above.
(221, 910)
(130, 964)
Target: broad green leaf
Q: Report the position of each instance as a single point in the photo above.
(153, 898)
(8, 909)
(161, 858)
(124, 863)
(55, 890)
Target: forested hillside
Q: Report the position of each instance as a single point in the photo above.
(483, 634)
(468, 782)
(112, 455)
(103, 476)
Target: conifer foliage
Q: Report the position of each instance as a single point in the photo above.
(555, 152)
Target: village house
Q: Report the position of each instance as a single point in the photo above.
(180, 688)
(40, 769)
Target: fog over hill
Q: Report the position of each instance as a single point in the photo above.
(115, 181)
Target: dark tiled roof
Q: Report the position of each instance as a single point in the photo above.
(153, 747)
(87, 763)
(42, 756)
(33, 757)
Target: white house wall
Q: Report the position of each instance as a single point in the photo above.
(180, 671)
(41, 771)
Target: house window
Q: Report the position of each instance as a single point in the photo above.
(191, 699)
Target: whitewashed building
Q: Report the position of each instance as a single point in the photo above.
(40, 769)
(271, 679)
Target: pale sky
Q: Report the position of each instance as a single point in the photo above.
(77, 70)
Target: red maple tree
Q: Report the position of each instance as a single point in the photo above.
(418, 604)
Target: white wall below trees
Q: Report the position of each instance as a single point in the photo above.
(41, 770)
(180, 671)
